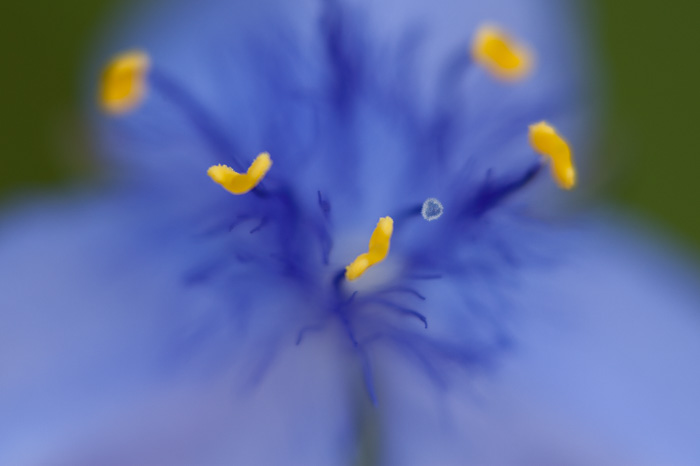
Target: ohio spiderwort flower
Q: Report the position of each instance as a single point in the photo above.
(168, 321)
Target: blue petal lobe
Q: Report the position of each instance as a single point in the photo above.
(358, 99)
(601, 369)
(108, 357)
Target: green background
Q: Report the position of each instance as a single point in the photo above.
(649, 49)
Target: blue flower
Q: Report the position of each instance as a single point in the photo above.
(167, 321)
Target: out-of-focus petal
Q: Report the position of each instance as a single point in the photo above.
(109, 357)
(601, 369)
(380, 98)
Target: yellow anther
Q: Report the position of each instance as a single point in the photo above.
(238, 183)
(545, 140)
(500, 54)
(123, 85)
(378, 250)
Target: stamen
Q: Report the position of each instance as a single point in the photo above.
(494, 192)
(545, 141)
(378, 250)
(500, 54)
(324, 205)
(123, 85)
(237, 183)
(432, 209)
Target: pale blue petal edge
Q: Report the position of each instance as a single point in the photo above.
(602, 369)
(107, 358)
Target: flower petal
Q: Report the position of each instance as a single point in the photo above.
(378, 97)
(109, 358)
(601, 369)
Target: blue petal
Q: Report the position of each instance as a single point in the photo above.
(601, 369)
(373, 102)
(108, 357)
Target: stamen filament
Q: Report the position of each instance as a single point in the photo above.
(241, 183)
(191, 108)
(378, 250)
(545, 141)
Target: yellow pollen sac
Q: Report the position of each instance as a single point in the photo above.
(545, 141)
(500, 54)
(237, 183)
(123, 85)
(378, 250)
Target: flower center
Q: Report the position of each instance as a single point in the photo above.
(288, 235)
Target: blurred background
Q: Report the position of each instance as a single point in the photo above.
(649, 51)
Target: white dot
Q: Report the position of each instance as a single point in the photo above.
(432, 209)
